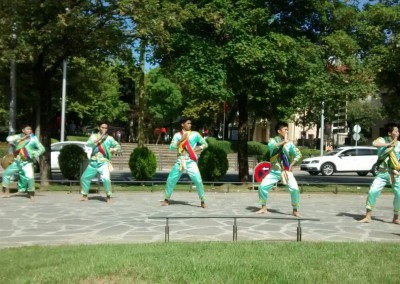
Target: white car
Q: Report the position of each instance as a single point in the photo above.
(56, 148)
(359, 159)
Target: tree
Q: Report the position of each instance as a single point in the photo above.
(47, 33)
(164, 98)
(253, 53)
(93, 92)
(378, 34)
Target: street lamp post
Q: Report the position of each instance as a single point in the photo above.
(64, 94)
(322, 130)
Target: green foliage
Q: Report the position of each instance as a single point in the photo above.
(223, 145)
(94, 92)
(71, 160)
(213, 164)
(256, 148)
(3, 149)
(77, 138)
(308, 153)
(164, 97)
(205, 262)
(143, 163)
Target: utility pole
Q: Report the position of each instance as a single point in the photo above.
(13, 89)
(322, 130)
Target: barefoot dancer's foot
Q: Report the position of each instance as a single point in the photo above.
(108, 199)
(165, 202)
(203, 205)
(6, 191)
(296, 213)
(367, 218)
(396, 221)
(84, 198)
(263, 210)
(31, 195)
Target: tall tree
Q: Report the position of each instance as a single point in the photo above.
(378, 33)
(49, 32)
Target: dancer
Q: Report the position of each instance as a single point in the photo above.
(103, 146)
(284, 155)
(186, 143)
(388, 165)
(26, 148)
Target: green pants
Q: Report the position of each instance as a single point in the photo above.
(91, 171)
(194, 174)
(26, 182)
(381, 180)
(270, 180)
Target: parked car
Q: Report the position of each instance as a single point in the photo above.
(56, 148)
(359, 159)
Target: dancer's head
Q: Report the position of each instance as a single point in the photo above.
(26, 129)
(186, 123)
(103, 127)
(392, 130)
(281, 128)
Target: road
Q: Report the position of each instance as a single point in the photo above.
(232, 177)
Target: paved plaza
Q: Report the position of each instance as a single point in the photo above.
(56, 218)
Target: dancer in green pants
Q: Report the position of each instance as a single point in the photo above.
(188, 143)
(103, 146)
(284, 155)
(388, 156)
(26, 149)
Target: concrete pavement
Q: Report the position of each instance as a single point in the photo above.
(55, 218)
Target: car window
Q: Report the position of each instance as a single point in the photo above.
(365, 152)
(332, 153)
(55, 148)
(359, 152)
(349, 153)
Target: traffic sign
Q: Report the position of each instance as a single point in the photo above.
(356, 136)
(357, 129)
(261, 170)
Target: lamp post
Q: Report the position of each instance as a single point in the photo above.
(322, 130)
(64, 94)
(13, 90)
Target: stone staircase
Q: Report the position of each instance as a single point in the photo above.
(166, 158)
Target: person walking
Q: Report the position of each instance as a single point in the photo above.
(103, 147)
(186, 143)
(26, 148)
(284, 155)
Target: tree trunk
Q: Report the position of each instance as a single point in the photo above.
(142, 101)
(42, 80)
(45, 128)
(243, 134)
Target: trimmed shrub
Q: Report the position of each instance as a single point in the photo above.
(224, 145)
(71, 160)
(258, 149)
(308, 153)
(143, 163)
(213, 164)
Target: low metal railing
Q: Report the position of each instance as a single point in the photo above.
(235, 224)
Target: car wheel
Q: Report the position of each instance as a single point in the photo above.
(327, 169)
(363, 174)
(313, 173)
(374, 170)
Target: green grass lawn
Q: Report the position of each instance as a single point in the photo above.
(241, 262)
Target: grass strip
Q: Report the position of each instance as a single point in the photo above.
(223, 262)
